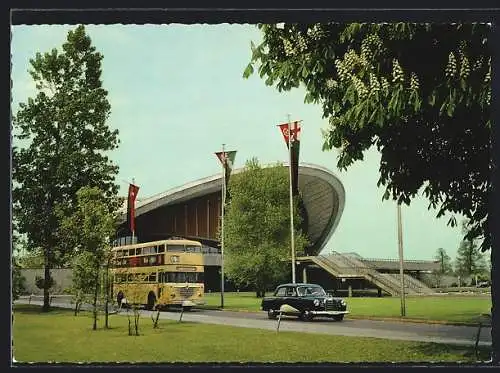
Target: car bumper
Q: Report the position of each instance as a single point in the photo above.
(327, 313)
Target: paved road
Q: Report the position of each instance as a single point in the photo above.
(462, 335)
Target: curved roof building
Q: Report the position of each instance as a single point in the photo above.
(193, 210)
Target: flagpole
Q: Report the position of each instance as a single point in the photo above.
(400, 250)
(133, 217)
(224, 165)
(292, 234)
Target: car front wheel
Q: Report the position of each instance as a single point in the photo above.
(338, 317)
(306, 316)
(271, 314)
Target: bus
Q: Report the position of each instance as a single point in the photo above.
(159, 274)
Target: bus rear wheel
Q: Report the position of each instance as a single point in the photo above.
(151, 301)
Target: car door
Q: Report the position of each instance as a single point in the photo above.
(279, 297)
(292, 298)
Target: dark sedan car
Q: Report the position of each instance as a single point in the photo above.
(305, 301)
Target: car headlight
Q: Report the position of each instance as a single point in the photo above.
(342, 302)
(316, 302)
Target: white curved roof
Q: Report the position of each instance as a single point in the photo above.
(322, 193)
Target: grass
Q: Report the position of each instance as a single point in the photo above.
(459, 309)
(58, 336)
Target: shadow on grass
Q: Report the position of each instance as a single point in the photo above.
(36, 309)
(467, 352)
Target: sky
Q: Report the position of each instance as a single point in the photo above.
(177, 94)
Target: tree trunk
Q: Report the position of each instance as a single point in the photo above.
(96, 292)
(260, 293)
(46, 282)
(136, 319)
(106, 301)
(77, 304)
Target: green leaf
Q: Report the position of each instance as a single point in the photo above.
(248, 71)
(305, 73)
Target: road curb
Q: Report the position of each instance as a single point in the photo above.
(373, 318)
(359, 317)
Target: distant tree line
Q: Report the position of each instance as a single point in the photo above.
(470, 263)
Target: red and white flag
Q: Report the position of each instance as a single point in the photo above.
(294, 130)
(132, 195)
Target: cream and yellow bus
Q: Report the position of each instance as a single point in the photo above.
(159, 274)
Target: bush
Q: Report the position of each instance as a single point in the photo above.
(18, 282)
(454, 285)
(40, 282)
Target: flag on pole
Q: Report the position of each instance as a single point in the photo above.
(132, 195)
(227, 160)
(294, 141)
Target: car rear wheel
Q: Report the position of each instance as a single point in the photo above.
(271, 314)
(338, 317)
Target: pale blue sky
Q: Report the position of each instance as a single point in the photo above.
(177, 93)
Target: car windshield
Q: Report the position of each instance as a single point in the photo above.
(310, 290)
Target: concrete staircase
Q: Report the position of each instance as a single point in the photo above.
(350, 266)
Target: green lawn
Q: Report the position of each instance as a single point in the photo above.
(58, 336)
(450, 308)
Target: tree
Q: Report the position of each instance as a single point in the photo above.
(18, 281)
(420, 93)
(445, 266)
(31, 259)
(444, 259)
(257, 227)
(63, 140)
(89, 230)
(469, 259)
(83, 279)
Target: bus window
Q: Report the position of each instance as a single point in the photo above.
(131, 252)
(161, 248)
(138, 251)
(193, 249)
(177, 248)
(152, 259)
(145, 261)
(152, 277)
(130, 277)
